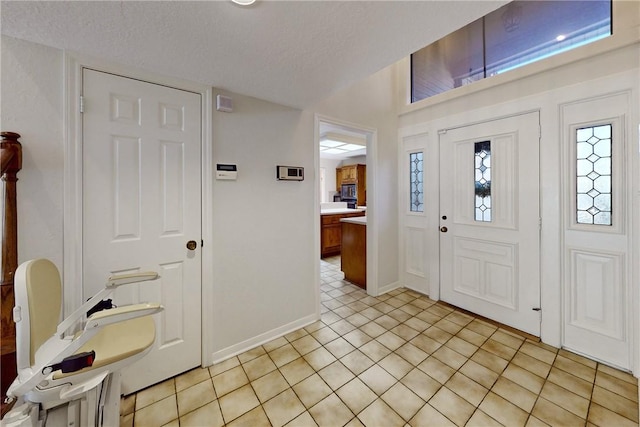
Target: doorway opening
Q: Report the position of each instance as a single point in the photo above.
(344, 198)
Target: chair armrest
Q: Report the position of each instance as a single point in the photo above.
(57, 352)
(120, 314)
(125, 279)
(112, 283)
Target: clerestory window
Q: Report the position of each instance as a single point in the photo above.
(514, 35)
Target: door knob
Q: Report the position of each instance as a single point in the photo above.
(444, 229)
(191, 245)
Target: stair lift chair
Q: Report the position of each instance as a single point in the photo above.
(80, 371)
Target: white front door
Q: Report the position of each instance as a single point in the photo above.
(489, 219)
(141, 205)
(597, 246)
(414, 200)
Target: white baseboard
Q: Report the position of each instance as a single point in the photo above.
(246, 345)
(389, 287)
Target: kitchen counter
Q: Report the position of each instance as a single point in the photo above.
(341, 211)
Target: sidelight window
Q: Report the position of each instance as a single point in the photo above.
(416, 182)
(593, 175)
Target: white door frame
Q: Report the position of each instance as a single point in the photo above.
(417, 142)
(617, 246)
(372, 200)
(550, 330)
(431, 178)
(518, 226)
(548, 103)
(72, 193)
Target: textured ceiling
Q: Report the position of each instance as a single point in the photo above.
(293, 53)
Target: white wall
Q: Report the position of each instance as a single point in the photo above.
(372, 103)
(263, 258)
(32, 105)
(263, 238)
(330, 166)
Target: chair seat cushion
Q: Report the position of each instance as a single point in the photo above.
(117, 342)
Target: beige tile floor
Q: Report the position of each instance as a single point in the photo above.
(400, 359)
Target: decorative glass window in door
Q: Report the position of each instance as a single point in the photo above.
(593, 175)
(482, 166)
(416, 182)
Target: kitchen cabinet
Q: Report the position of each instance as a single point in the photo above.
(353, 174)
(353, 262)
(331, 232)
(349, 174)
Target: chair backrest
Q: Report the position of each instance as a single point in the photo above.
(38, 293)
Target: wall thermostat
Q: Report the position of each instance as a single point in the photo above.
(226, 172)
(290, 173)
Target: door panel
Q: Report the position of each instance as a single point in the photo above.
(415, 251)
(486, 271)
(141, 204)
(414, 199)
(126, 196)
(489, 209)
(597, 291)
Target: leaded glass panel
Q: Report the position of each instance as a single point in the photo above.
(593, 175)
(417, 184)
(482, 166)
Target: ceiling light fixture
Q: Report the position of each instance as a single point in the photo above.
(336, 144)
(330, 143)
(244, 2)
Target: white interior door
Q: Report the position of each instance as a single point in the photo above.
(141, 204)
(489, 219)
(414, 199)
(597, 291)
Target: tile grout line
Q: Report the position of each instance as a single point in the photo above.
(593, 387)
(408, 298)
(477, 407)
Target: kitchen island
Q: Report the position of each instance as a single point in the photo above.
(354, 250)
(330, 226)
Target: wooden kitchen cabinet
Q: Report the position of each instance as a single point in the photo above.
(331, 232)
(353, 262)
(353, 174)
(331, 237)
(350, 174)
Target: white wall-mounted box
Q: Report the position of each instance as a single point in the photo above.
(226, 172)
(290, 173)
